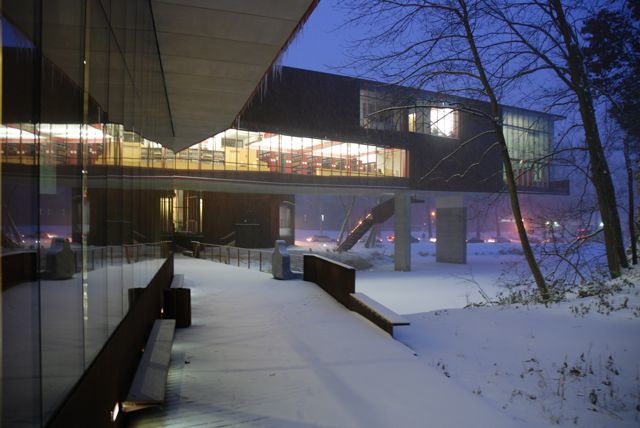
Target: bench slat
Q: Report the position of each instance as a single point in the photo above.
(381, 310)
(149, 384)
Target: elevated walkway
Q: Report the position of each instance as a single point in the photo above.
(262, 352)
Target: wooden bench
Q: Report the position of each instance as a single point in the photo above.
(378, 314)
(149, 384)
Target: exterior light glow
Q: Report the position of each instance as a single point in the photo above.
(115, 412)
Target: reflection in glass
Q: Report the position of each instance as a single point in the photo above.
(231, 150)
(56, 189)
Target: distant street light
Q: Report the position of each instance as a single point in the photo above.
(431, 220)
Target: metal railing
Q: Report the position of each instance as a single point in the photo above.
(259, 259)
(114, 255)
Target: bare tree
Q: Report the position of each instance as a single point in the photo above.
(546, 35)
(451, 43)
(347, 208)
(613, 58)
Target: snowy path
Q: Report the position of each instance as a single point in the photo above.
(263, 352)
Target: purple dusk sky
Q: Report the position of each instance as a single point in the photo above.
(321, 45)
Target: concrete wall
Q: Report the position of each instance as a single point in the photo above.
(451, 246)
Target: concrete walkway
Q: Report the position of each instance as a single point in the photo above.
(269, 353)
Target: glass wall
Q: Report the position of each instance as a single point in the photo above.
(75, 227)
(376, 109)
(77, 223)
(187, 211)
(443, 122)
(240, 150)
(529, 136)
(388, 109)
(231, 150)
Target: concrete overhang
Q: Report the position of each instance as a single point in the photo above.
(214, 55)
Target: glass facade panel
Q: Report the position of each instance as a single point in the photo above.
(386, 109)
(74, 195)
(375, 112)
(443, 122)
(418, 120)
(529, 137)
(185, 211)
(285, 221)
(242, 150)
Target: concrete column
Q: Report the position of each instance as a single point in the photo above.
(451, 230)
(402, 243)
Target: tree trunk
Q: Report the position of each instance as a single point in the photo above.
(600, 175)
(632, 209)
(517, 214)
(347, 215)
(506, 159)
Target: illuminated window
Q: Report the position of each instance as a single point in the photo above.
(231, 150)
(418, 120)
(287, 154)
(285, 229)
(166, 214)
(187, 211)
(528, 136)
(444, 122)
(411, 119)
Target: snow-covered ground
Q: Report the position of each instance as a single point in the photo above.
(573, 363)
(263, 352)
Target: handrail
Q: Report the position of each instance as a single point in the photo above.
(252, 258)
(110, 255)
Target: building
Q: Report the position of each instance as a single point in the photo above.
(127, 125)
(308, 132)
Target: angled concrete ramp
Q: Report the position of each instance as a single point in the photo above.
(379, 214)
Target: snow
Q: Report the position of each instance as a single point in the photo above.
(263, 352)
(574, 363)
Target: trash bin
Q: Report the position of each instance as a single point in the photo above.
(281, 261)
(177, 306)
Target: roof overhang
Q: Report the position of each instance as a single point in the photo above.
(214, 55)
